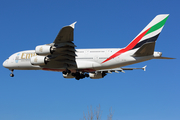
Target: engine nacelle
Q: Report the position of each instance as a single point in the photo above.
(68, 75)
(97, 75)
(43, 50)
(38, 60)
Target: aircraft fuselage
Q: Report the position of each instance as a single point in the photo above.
(87, 59)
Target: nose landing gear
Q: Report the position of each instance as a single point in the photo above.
(12, 75)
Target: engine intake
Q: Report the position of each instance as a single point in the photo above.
(44, 50)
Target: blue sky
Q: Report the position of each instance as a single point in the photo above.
(43, 95)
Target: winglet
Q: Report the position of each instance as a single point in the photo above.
(73, 25)
(144, 68)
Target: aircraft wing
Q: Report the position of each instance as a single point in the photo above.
(64, 49)
(117, 70)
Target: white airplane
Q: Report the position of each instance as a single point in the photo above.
(62, 56)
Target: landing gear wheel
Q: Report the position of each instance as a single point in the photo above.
(77, 76)
(86, 75)
(12, 75)
(64, 72)
(67, 71)
(82, 76)
(73, 74)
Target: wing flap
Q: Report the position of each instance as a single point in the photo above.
(64, 49)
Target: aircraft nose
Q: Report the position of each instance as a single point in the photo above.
(5, 63)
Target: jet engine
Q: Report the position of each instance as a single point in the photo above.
(39, 60)
(97, 75)
(44, 50)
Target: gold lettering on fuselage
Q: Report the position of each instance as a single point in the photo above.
(27, 55)
(22, 56)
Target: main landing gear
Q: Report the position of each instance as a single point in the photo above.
(12, 75)
(79, 75)
(66, 72)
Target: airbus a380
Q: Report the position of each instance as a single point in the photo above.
(62, 56)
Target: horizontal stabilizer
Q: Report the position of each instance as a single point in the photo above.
(143, 68)
(163, 58)
(145, 50)
(120, 69)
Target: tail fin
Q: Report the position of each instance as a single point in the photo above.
(150, 33)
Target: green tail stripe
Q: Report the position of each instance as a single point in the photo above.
(157, 26)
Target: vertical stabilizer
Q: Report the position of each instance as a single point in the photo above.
(150, 33)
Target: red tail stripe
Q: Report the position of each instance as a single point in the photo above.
(129, 47)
